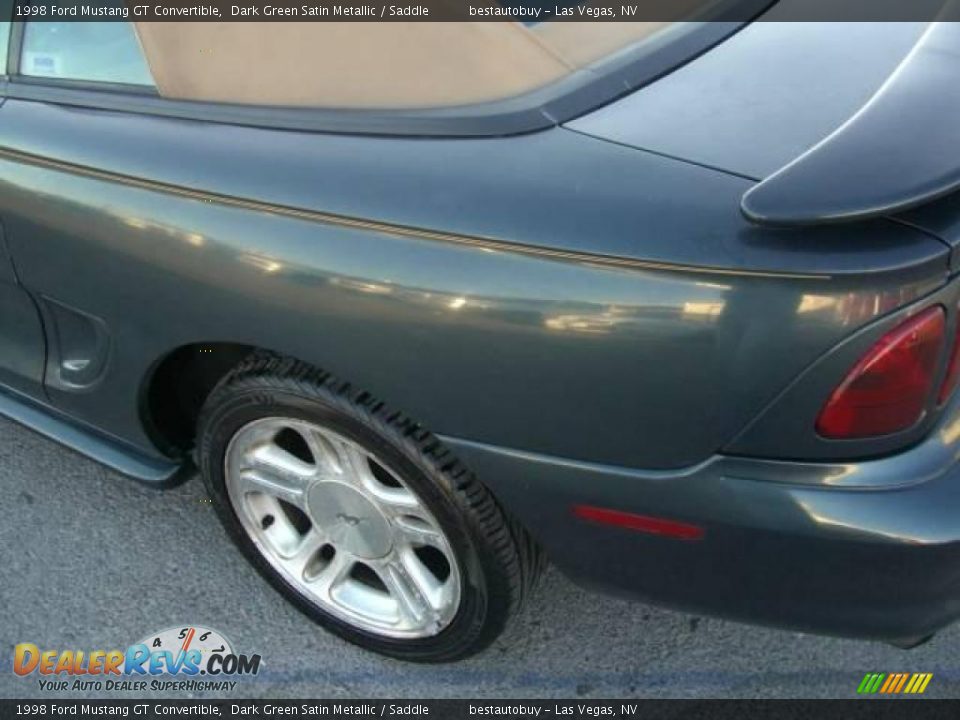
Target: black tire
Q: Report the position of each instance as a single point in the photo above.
(498, 561)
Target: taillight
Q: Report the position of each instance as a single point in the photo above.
(887, 390)
(953, 371)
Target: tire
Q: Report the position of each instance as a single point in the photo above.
(481, 564)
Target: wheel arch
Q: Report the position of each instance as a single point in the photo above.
(176, 386)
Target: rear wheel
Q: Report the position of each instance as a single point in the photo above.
(359, 516)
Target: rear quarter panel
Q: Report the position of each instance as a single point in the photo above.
(579, 299)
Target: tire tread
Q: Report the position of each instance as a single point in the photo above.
(512, 545)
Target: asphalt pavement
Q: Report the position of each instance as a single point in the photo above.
(91, 560)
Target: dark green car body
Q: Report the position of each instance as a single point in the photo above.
(585, 317)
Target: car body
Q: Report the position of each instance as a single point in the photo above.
(625, 329)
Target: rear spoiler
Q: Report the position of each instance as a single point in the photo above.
(901, 150)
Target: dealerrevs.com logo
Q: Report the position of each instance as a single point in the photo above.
(188, 658)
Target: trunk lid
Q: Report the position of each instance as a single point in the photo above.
(760, 99)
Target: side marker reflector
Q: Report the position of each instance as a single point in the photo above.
(640, 523)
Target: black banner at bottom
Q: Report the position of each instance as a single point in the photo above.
(915, 709)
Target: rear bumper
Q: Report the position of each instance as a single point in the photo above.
(869, 549)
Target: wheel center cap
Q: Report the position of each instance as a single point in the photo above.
(351, 521)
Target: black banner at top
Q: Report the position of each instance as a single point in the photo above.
(526, 11)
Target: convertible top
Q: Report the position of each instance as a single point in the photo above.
(901, 150)
(372, 65)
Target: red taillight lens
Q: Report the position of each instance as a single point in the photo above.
(953, 371)
(888, 389)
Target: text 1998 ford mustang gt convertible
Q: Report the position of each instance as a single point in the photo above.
(669, 304)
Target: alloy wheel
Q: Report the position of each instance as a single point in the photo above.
(342, 528)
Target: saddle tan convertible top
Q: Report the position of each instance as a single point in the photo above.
(371, 64)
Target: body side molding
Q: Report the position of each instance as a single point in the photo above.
(517, 248)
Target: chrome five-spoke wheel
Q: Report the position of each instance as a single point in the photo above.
(342, 528)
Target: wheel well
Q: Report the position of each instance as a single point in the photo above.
(179, 385)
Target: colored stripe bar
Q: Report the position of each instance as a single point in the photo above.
(891, 681)
(903, 681)
(910, 685)
(875, 680)
(894, 683)
(918, 683)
